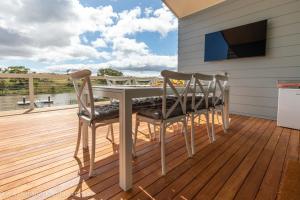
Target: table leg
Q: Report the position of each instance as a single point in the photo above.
(125, 148)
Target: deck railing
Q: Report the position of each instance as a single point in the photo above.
(32, 84)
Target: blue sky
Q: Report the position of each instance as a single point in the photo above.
(138, 37)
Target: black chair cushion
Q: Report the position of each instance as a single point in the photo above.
(111, 111)
(149, 107)
(217, 102)
(141, 103)
(156, 112)
(203, 106)
(104, 112)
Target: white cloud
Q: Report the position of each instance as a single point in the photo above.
(99, 43)
(126, 46)
(131, 22)
(133, 62)
(148, 11)
(49, 31)
(51, 28)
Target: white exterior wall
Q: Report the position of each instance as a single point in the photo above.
(252, 80)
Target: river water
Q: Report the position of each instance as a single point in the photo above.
(11, 102)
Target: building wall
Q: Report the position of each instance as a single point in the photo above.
(252, 80)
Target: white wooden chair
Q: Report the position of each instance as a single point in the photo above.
(122, 80)
(173, 109)
(200, 105)
(118, 80)
(93, 116)
(115, 81)
(218, 99)
(144, 81)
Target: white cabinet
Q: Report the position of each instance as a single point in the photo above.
(289, 108)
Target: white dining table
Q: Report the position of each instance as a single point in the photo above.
(125, 94)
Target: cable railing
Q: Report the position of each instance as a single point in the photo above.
(35, 90)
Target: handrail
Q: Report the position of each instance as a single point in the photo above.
(32, 76)
(62, 76)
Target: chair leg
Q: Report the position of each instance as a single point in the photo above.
(78, 138)
(217, 114)
(150, 132)
(159, 136)
(223, 120)
(92, 157)
(174, 128)
(185, 128)
(162, 146)
(207, 125)
(213, 126)
(193, 133)
(108, 131)
(112, 133)
(154, 137)
(181, 129)
(85, 139)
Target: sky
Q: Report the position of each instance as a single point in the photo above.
(138, 37)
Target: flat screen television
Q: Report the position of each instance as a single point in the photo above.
(243, 41)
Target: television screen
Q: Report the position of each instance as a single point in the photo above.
(243, 41)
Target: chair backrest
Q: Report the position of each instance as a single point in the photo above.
(83, 88)
(201, 87)
(113, 80)
(180, 93)
(144, 81)
(219, 87)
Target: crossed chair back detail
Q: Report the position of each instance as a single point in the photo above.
(143, 81)
(219, 87)
(113, 80)
(180, 94)
(201, 87)
(84, 93)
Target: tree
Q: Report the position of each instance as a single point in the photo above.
(2, 86)
(16, 70)
(15, 83)
(109, 72)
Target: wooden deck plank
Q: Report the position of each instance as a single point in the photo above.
(291, 155)
(208, 154)
(218, 179)
(36, 161)
(293, 148)
(150, 179)
(199, 181)
(154, 169)
(90, 188)
(252, 182)
(232, 185)
(270, 183)
(57, 182)
(70, 165)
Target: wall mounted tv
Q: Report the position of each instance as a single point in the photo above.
(243, 41)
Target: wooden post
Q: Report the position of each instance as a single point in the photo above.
(31, 91)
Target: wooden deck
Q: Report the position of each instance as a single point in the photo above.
(36, 161)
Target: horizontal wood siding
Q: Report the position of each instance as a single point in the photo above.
(252, 80)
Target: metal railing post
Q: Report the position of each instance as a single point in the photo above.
(31, 91)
